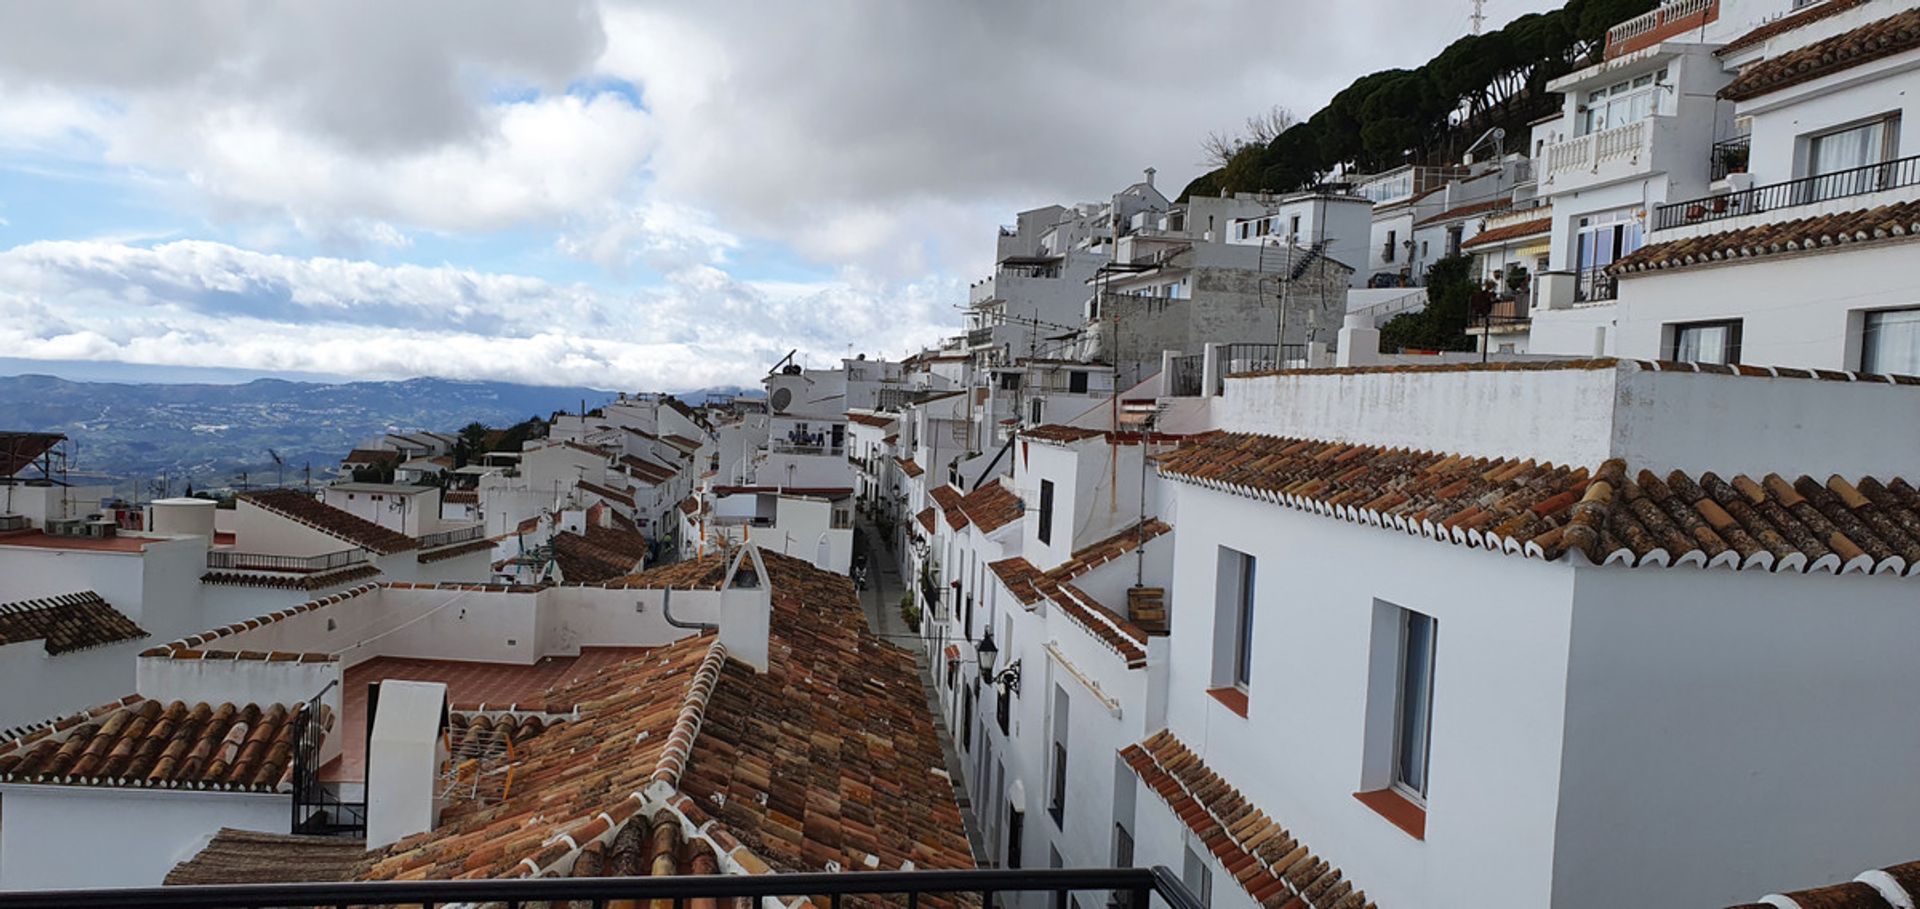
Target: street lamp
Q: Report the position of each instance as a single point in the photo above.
(985, 652)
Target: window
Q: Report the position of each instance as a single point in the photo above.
(1413, 716)
(1016, 830)
(1197, 876)
(1836, 157)
(1233, 620)
(1706, 342)
(1046, 511)
(1423, 249)
(1890, 342)
(1077, 383)
(966, 719)
(1599, 240)
(1386, 254)
(1057, 785)
(1624, 102)
(1036, 409)
(1009, 381)
(1453, 239)
(1003, 708)
(1293, 227)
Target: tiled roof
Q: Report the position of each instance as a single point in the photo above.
(643, 469)
(690, 505)
(251, 857)
(301, 508)
(1881, 888)
(925, 517)
(384, 456)
(991, 506)
(145, 744)
(1029, 584)
(318, 580)
(65, 623)
(870, 419)
(18, 449)
(948, 498)
(691, 574)
(1055, 432)
(828, 756)
(1111, 628)
(602, 554)
(443, 553)
(605, 492)
(1472, 208)
(1510, 232)
(681, 442)
(1268, 862)
(460, 497)
(1788, 23)
(1895, 34)
(908, 467)
(1898, 221)
(1542, 510)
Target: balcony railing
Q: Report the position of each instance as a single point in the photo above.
(1593, 285)
(1804, 191)
(1657, 25)
(784, 446)
(979, 336)
(260, 561)
(1124, 886)
(1728, 156)
(1586, 153)
(450, 537)
(1187, 379)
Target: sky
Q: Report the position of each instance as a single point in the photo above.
(623, 195)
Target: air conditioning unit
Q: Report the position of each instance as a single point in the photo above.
(13, 522)
(92, 527)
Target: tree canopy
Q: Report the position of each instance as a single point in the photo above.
(1431, 113)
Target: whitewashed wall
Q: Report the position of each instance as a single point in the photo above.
(59, 837)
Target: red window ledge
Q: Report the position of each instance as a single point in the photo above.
(1233, 698)
(1397, 809)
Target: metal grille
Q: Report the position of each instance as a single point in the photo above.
(317, 807)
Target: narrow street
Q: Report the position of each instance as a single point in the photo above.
(881, 600)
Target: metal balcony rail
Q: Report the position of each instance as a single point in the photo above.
(1728, 156)
(1593, 285)
(785, 446)
(260, 561)
(1804, 191)
(979, 336)
(449, 537)
(1131, 887)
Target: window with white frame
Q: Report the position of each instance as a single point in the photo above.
(1890, 342)
(1197, 876)
(1413, 713)
(1233, 620)
(1624, 102)
(1853, 146)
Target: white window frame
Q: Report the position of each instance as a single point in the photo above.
(1416, 793)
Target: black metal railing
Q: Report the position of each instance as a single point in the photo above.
(1593, 285)
(1127, 886)
(449, 537)
(318, 808)
(1728, 156)
(1804, 191)
(261, 561)
(979, 336)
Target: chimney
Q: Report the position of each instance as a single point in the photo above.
(404, 751)
(1150, 173)
(746, 608)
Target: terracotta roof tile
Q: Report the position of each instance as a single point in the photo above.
(1883, 888)
(606, 492)
(1788, 23)
(908, 467)
(66, 623)
(1542, 510)
(601, 554)
(251, 857)
(375, 456)
(318, 580)
(948, 498)
(1054, 432)
(925, 517)
(461, 497)
(302, 508)
(828, 756)
(1538, 226)
(991, 506)
(1895, 34)
(1472, 208)
(19, 449)
(1267, 861)
(443, 553)
(871, 419)
(1886, 223)
(146, 744)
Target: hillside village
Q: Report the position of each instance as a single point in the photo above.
(1170, 555)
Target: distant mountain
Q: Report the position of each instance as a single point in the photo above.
(206, 433)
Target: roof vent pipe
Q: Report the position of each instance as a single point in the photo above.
(666, 609)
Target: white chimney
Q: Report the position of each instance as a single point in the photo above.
(746, 608)
(403, 760)
(1150, 173)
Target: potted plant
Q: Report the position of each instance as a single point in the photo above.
(1732, 159)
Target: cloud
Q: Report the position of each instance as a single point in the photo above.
(199, 303)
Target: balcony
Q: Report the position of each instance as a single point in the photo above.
(1593, 285)
(1669, 21)
(230, 560)
(450, 537)
(979, 337)
(1618, 153)
(1132, 887)
(1505, 315)
(1774, 197)
(797, 447)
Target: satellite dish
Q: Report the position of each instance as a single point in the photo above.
(781, 399)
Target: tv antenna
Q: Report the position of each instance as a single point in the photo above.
(1479, 15)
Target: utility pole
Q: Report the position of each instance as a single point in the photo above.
(1479, 16)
